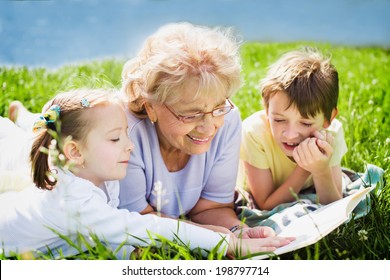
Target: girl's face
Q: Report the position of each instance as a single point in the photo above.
(106, 150)
(288, 127)
(189, 138)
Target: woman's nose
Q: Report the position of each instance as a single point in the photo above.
(130, 145)
(207, 124)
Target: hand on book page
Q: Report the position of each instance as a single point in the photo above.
(313, 226)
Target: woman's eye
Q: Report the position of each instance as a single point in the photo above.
(115, 140)
(219, 111)
(191, 117)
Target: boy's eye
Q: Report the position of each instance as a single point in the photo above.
(307, 124)
(278, 120)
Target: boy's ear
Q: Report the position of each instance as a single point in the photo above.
(327, 123)
(265, 107)
(72, 152)
(151, 112)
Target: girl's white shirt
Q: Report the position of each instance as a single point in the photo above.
(32, 219)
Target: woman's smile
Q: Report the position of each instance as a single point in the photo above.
(199, 140)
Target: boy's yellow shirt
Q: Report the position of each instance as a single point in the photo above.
(259, 149)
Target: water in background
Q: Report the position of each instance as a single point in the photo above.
(52, 33)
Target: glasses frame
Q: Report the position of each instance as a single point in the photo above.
(202, 114)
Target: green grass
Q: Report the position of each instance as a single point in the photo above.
(364, 110)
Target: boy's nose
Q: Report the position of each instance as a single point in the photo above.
(290, 133)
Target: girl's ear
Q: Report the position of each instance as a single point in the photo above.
(72, 152)
(327, 123)
(151, 112)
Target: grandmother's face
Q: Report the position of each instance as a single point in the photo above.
(194, 137)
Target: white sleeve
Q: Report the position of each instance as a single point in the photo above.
(118, 225)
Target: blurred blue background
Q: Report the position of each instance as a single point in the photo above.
(54, 32)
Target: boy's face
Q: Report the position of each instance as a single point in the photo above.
(288, 127)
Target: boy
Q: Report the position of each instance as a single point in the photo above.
(295, 142)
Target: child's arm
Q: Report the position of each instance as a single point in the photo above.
(267, 242)
(328, 185)
(262, 186)
(117, 226)
(314, 155)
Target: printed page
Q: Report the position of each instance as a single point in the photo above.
(312, 227)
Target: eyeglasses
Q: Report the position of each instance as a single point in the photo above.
(218, 112)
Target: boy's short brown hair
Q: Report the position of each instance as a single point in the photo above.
(310, 81)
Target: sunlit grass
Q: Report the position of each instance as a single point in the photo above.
(364, 107)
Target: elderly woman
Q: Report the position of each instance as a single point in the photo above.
(185, 127)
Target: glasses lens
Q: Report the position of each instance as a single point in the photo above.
(192, 118)
(222, 111)
(197, 117)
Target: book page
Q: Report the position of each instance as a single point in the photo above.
(325, 219)
(310, 228)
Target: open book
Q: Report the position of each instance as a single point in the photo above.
(310, 228)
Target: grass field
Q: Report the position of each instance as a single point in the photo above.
(364, 107)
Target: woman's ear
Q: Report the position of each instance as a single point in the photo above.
(327, 123)
(72, 152)
(151, 112)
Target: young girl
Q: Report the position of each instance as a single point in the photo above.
(77, 192)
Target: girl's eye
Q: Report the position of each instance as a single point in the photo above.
(115, 140)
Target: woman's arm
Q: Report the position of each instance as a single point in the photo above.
(213, 213)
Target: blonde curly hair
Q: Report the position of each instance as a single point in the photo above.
(177, 54)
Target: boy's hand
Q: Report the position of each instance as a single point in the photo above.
(313, 154)
(324, 135)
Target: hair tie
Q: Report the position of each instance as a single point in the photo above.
(85, 103)
(50, 116)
